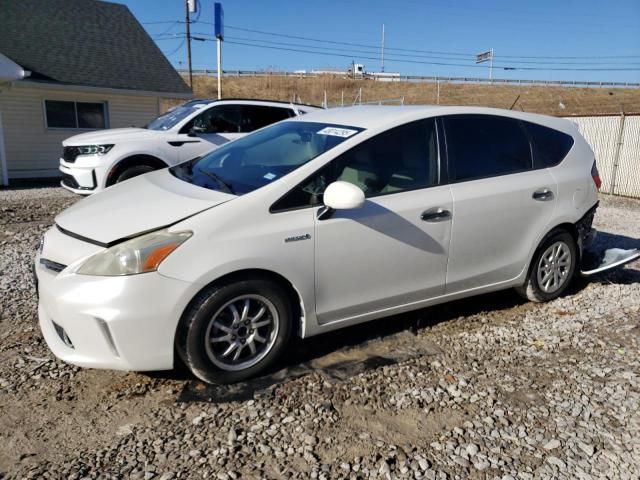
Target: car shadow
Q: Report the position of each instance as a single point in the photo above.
(343, 353)
(389, 223)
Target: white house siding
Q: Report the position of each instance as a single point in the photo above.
(32, 150)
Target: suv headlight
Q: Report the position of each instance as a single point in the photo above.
(138, 255)
(94, 149)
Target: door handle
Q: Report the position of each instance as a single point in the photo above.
(437, 214)
(543, 195)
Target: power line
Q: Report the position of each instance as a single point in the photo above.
(173, 52)
(160, 22)
(168, 29)
(433, 52)
(333, 42)
(355, 53)
(436, 52)
(504, 67)
(244, 39)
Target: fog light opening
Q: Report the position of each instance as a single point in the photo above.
(108, 337)
(63, 335)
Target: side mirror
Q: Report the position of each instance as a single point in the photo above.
(340, 196)
(343, 196)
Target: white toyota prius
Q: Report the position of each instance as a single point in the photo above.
(313, 224)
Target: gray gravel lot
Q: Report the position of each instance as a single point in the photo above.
(488, 387)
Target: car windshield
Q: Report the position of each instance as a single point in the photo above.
(172, 117)
(260, 158)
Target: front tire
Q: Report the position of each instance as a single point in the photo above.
(552, 268)
(234, 332)
(134, 171)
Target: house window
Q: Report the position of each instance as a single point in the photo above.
(86, 115)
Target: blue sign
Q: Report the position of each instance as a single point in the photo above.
(219, 20)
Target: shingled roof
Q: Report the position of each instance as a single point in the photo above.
(85, 42)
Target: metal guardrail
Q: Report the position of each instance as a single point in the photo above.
(421, 78)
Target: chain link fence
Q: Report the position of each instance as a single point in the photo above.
(615, 140)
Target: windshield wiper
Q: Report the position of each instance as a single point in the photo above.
(225, 185)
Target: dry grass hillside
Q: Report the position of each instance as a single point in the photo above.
(540, 99)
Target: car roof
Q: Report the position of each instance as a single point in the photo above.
(381, 116)
(252, 101)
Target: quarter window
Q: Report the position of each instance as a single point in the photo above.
(550, 146)
(481, 146)
(61, 114)
(402, 159)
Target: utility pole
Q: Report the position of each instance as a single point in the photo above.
(491, 66)
(219, 67)
(382, 51)
(219, 31)
(187, 22)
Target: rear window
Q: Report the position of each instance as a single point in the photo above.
(482, 146)
(550, 146)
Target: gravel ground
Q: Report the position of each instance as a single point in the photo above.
(488, 387)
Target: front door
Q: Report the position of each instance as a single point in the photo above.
(392, 251)
(210, 129)
(381, 255)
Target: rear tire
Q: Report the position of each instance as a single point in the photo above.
(134, 172)
(552, 268)
(234, 332)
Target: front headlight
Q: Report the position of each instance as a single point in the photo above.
(138, 255)
(94, 149)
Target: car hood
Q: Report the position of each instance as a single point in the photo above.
(114, 135)
(141, 204)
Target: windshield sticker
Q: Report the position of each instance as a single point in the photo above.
(270, 176)
(337, 132)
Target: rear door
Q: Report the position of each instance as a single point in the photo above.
(501, 203)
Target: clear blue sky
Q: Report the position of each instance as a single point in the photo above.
(517, 31)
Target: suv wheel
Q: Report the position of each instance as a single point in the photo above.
(134, 172)
(236, 331)
(553, 266)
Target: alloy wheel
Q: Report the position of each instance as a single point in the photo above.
(554, 267)
(242, 332)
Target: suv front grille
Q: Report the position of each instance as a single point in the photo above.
(69, 154)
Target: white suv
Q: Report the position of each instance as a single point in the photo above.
(95, 160)
(313, 224)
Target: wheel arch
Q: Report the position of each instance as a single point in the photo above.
(297, 302)
(565, 226)
(135, 159)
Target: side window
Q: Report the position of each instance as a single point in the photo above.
(402, 159)
(481, 146)
(254, 117)
(550, 146)
(220, 119)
